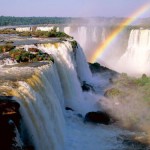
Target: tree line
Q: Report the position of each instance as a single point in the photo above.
(12, 21)
(8, 21)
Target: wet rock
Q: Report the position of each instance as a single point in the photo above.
(87, 87)
(28, 148)
(9, 122)
(98, 117)
(80, 115)
(7, 137)
(68, 108)
(97, 68)
(132, 144)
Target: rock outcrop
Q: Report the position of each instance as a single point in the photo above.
(113, 92)
(97, 68)
(98, 117)
(9, 123)
(86, 87)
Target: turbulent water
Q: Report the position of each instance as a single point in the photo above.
(44, 91)
(48, 89)
(53, 87)
(41, 107)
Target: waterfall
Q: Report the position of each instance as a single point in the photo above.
(83, 69)
(79, 33)
(44, 28)
(136, 59)
(45, 91)
(88, 37)
(21, 29)
(82, 35)
(94, 35)
(67, 30)
(72, 68)
(65, 61)
(41, 108)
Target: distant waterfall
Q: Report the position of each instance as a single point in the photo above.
(136, 59)
(79, 33)
(82, 35)
(41, 109)
(94, 35)
(88, 37)
(67, 30)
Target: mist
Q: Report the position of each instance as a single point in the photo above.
(130, 108)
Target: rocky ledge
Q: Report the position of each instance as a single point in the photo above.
(9, 123)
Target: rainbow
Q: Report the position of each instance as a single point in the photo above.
(111, 37)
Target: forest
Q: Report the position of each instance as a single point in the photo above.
(7, 21)
(12, 21)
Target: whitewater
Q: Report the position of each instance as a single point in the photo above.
(52, 88)
(48, 89)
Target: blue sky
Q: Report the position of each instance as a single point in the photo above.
(71, 8)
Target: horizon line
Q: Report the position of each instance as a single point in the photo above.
(70, 17)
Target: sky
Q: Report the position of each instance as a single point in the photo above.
(71, 8)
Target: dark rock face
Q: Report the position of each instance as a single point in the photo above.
(98, 117)
(86, 87)
(68, 108)
(97, 68)
(9, 121)
(29, 148)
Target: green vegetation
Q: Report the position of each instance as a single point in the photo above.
(8, 31)
(113, 92)
(6, 48)
(143, 81)
(9, 20)
(132, 106)
(20, 55)
(5, 21)
(96, 67)
(128, 85)
(46, 34)
(74, 44)
(41, 34)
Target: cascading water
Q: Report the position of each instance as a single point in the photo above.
(67, 30)
(43, 95)
(83, 70)
(136, 59)
(94, 36)
(82, 35)
(88, 37)
(41, 109)
(65, 63)
(41, 105)
(69, 64)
